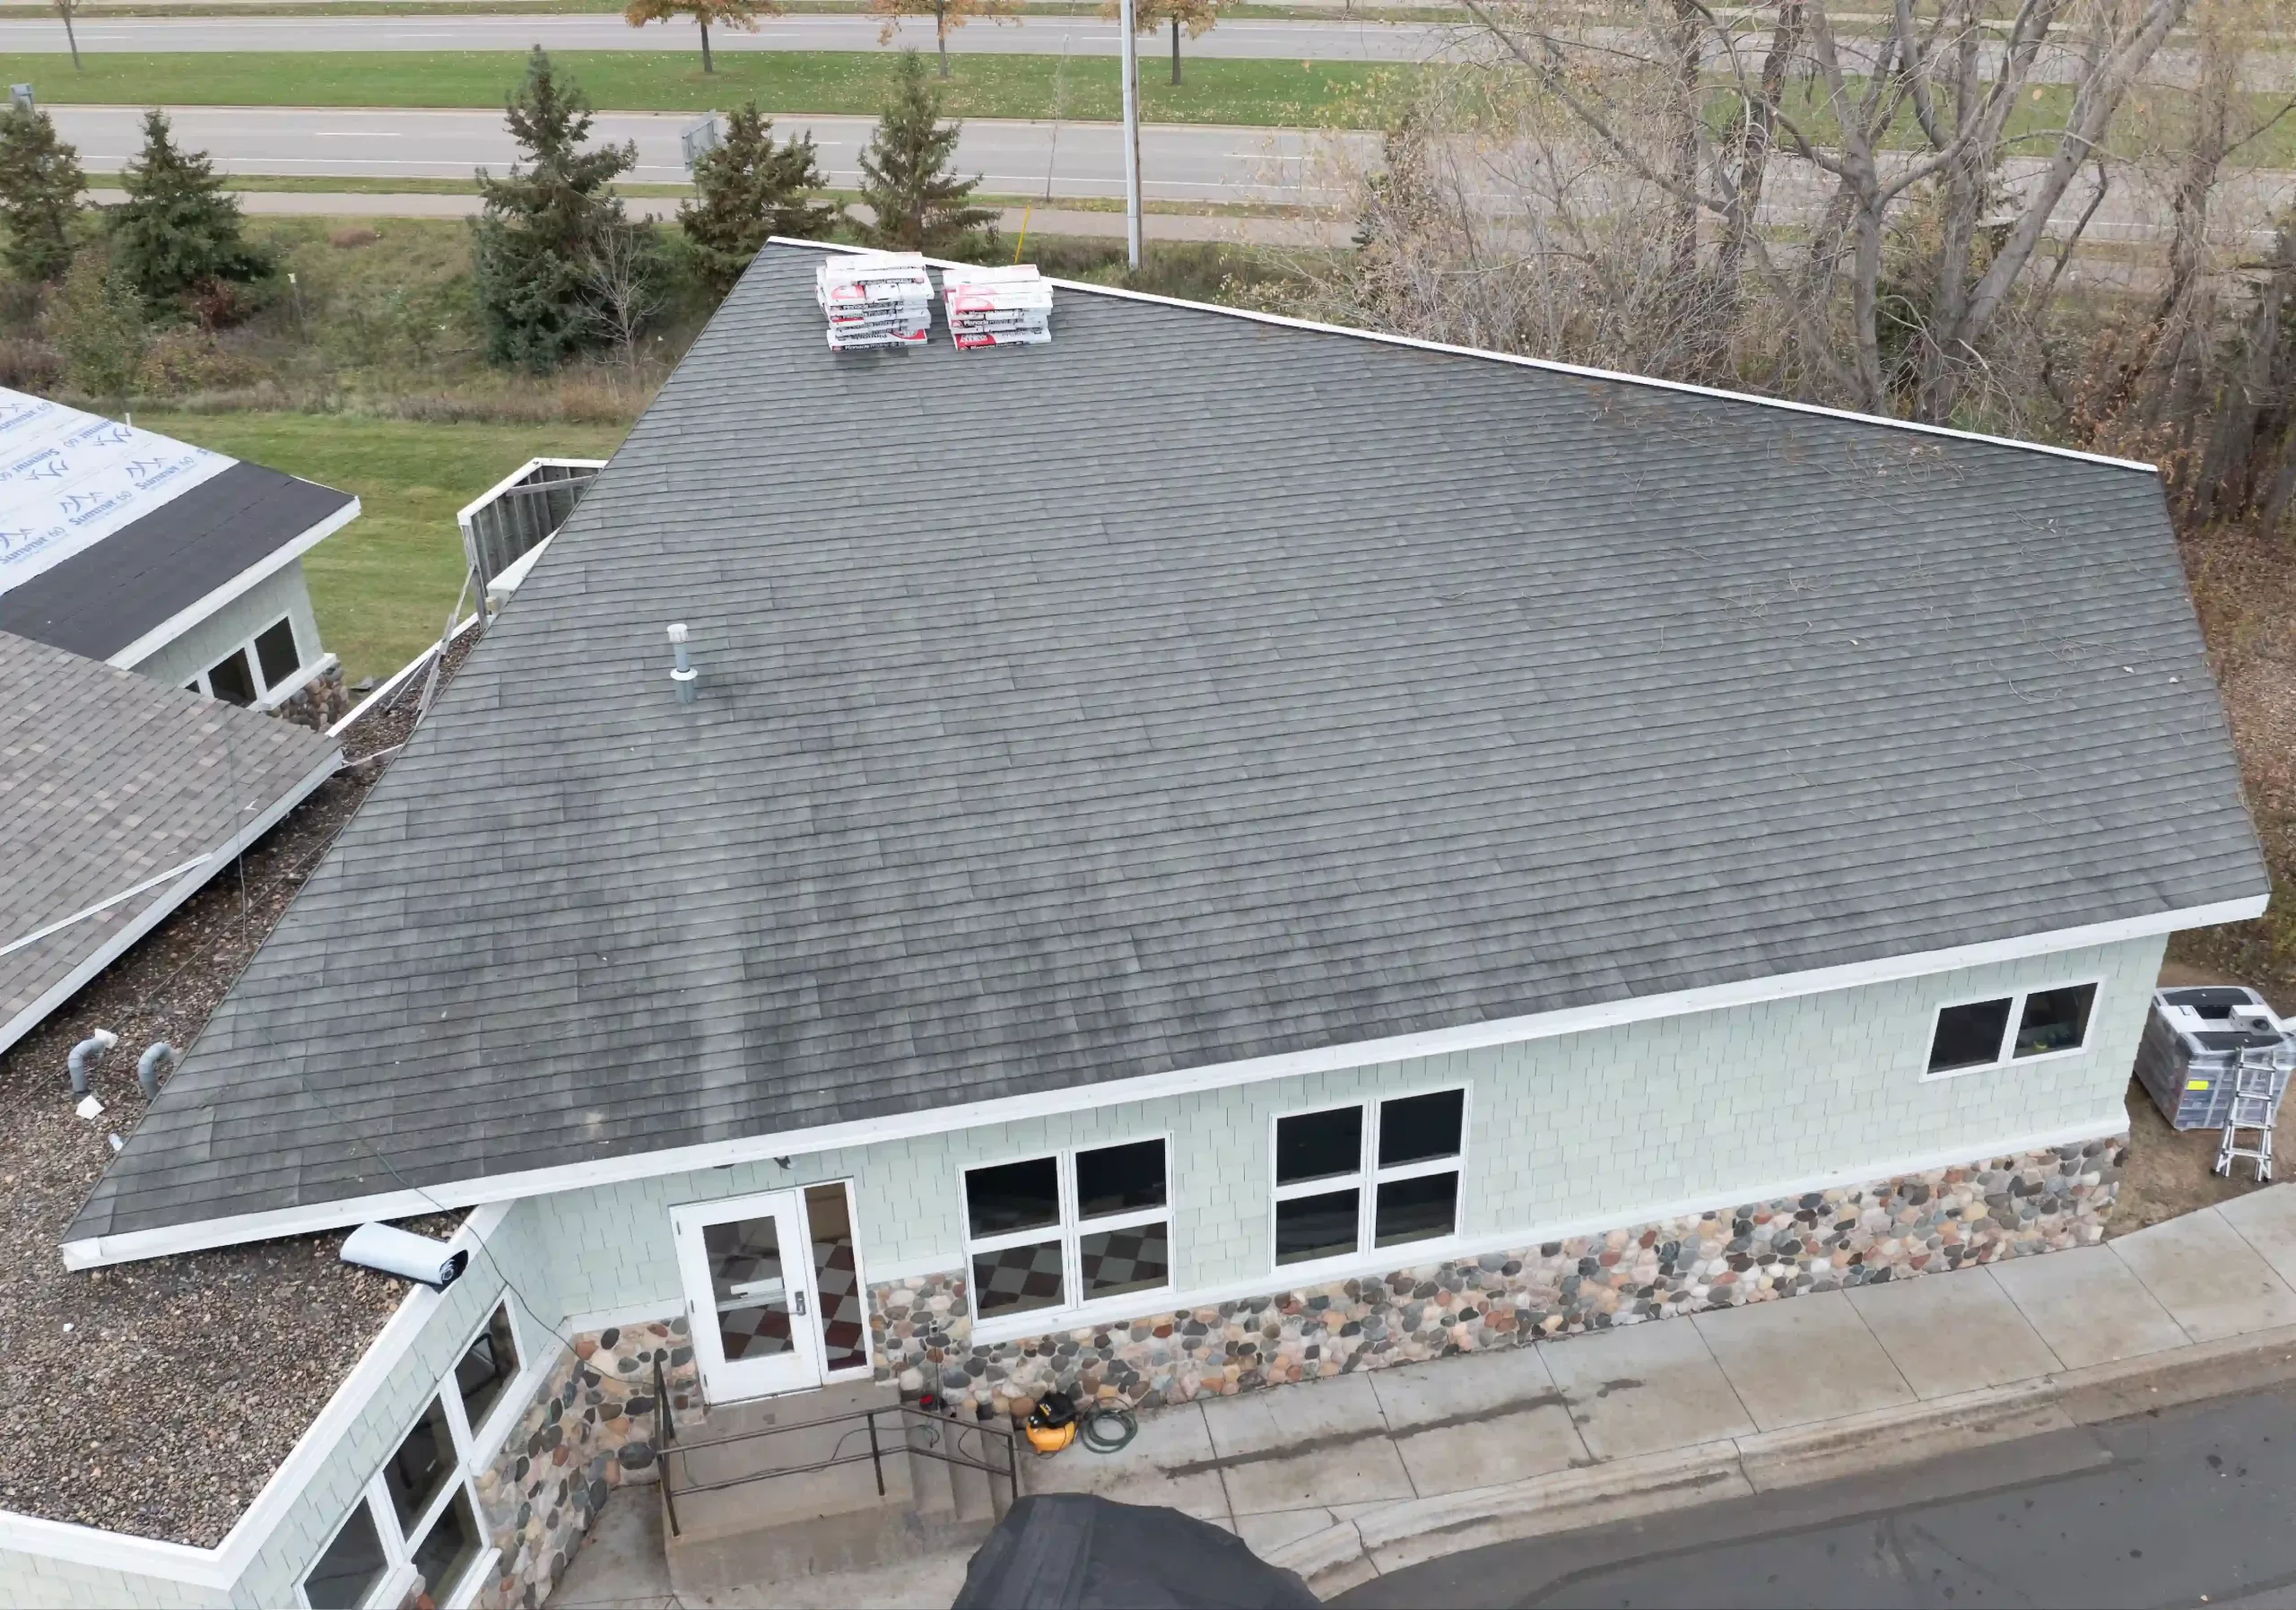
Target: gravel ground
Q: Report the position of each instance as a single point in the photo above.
(155, 1398)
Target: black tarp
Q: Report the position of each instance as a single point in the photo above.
(1069, 1551)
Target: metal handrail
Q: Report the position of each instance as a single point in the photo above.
(666, 1424)
(908, 1414)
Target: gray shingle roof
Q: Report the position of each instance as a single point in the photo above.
(107, 780)
(1190, 690)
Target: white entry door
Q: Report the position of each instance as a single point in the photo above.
(748, 1285)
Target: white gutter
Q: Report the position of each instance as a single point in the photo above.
(95, 1251)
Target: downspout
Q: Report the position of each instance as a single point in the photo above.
(158, 1057)
(86, 1054)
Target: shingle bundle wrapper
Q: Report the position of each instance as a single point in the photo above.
(875, 299)
(997, 307)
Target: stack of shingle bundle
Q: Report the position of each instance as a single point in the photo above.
(875, 299)
(997, 307)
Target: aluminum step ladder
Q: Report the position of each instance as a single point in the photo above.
(2255, 1106)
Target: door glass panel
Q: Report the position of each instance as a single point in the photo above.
(1316, 1146)
(1311, 1227)
(1120, 1179)
(1012, 1280)
(1012, 1195)
(749, 1287)
(1134, 1259)
(837, 1280)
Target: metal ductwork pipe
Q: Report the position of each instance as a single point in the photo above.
(86, 1054)
(685, 675)
(158, 1057)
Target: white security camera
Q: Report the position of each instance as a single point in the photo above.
(403, 1253)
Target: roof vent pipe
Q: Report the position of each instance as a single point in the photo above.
(159, 1056)
(686, 676)
(86, 1054)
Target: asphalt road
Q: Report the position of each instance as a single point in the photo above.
(1032, 36)
(1177, 163)
(2186, 1506)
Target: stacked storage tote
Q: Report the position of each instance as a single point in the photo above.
(2195, 1042)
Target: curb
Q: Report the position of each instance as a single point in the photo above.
(1414, 1531)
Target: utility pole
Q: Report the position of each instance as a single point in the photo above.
(1131, 139)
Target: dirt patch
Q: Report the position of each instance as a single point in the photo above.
(2244, 585)
(156, 1398)
(2168, 1172)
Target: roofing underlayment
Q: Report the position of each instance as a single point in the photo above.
(1194, 689)
(118, 797)
(109, 533)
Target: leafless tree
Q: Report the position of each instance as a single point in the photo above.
(621, 274)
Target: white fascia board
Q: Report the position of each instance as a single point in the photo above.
(95, 1251)
(396, 678)
(1548, 365)
(221, 1567)
(168, 631)
(174, 895)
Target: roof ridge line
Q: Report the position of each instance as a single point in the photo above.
(1552, 365)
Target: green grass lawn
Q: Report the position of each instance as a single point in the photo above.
(383, 584)
(858, 83)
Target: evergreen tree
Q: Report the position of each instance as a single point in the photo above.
(541, 222)
(178, 229)
(40, 192)
(747, 190)
(920, 204)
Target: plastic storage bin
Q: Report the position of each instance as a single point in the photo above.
(2193, 1045)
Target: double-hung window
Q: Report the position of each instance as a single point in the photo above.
(1352, 1180)
(1971, 1035)
(1068, 1231)
(418, 1530)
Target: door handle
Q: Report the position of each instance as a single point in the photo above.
(801, 1304)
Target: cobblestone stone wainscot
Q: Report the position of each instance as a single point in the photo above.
(320, 703)
(590, 1429)
(1824, 1240)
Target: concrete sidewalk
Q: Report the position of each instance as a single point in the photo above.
(1344, 1478)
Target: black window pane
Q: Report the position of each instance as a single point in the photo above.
(487, 1368)
(230, 680)
(1017, 1279)
(446, 1552)
(274, 651)
(1311, 1227)
(419, 1468)
(1316, 1146)
(1969, 1036)
(1012, 1195)
(1418, 1127)
(351, 1567)
(1120, 1179)
(2055, 1019)
(1416, 1210)
(1115, 1261)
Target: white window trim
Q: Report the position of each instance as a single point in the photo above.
(1365, 1181)
(267, 694)
(486, 1439)
(867, 1368)
(471, 1455)
(1075, 1314)
(2007, 1057)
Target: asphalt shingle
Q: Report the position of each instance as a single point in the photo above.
(1190, 690)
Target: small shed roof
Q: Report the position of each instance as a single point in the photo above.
(1197, 692)
(114, 540)
(118, 797)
